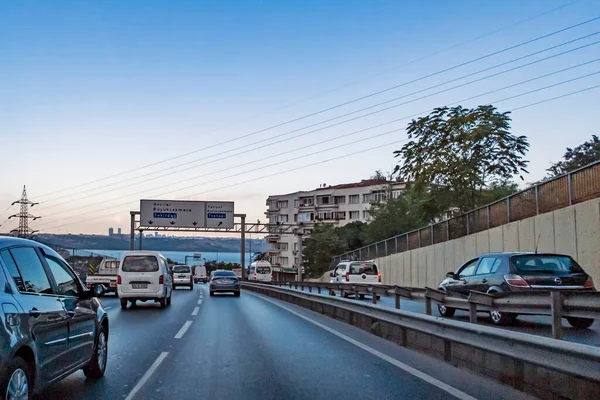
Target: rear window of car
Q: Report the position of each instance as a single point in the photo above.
(140, 264)
(182, 269)
(545, 264)
(363, 268)
(263, 270)
(225, 273)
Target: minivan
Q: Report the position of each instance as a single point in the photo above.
(260, 271)
(144, 276)
(182, 276)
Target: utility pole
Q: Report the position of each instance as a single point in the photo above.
(300, 262)
(23, 231)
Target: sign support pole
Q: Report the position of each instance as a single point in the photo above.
(243, 244)
(300, 261)
(132, 231)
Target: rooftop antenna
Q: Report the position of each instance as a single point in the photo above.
(537, 243)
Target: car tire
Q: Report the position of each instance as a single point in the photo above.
(447, 312)
(11, 371)
(163, 302)
(97, 365)
(212, 293)
(361, 296)
(236, 294)
(123, 303)
(580, 323)
(169, 300)
(502, 319)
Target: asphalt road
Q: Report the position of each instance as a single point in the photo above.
(533, 324)
(253, 347)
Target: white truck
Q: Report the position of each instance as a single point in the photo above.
(105, 274)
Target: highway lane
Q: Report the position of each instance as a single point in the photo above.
(533, 324)
(257, 348)
(136, 338)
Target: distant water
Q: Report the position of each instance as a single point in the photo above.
(177, 256)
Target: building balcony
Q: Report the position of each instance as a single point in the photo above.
(273, 252)
(330, 205)
(273, 238)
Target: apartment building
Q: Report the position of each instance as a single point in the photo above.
(337, 205)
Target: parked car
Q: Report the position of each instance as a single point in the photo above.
(356, 272)
(512, 271)
(144, 275)
(224, 281)
(51, 325)
(182, 276)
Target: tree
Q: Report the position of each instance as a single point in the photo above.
(460, 152)
(353, 235)
(260, 256)
(379, 175)
(323, 244)
(582, 155)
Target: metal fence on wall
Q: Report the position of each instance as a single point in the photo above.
(565, 190)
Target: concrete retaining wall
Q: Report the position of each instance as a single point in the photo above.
(574, 230)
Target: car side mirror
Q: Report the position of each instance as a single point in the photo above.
(331, 274)
(451, 275)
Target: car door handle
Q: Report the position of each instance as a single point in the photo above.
(34, 312)
(484, 280)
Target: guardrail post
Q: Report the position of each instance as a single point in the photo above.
(319, 289)
(296, 285)
(556, 308)
(374, 296)
(309, 289)
(473, 313)
(428, 305)
(397, 301)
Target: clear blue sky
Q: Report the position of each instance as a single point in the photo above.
(89, 89)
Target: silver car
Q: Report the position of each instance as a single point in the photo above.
(224, 281)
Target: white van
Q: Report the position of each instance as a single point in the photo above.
(182, 276)
(200, 274)
(144, 275)
(260, 271)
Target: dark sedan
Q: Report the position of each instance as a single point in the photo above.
(51, 325)
(223, 281)
(502, 272)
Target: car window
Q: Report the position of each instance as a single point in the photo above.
(181, 269)
(66, 283)
(225, 273)
(363, 268)
(545, 264)
(140, 264)
(488, 265)
(263, 270)
(32, 271)
(468, 269)
(340, 270)
(13, 270)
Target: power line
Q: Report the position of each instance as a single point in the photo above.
(504, 99)
(245, 149)
(336, 106)
(365, 129)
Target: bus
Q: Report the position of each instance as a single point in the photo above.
(260, 271)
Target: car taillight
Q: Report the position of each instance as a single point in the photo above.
(89, 285)
(347, 276)
(254, 276)
(161, 280)
(118, 279)
(379, 277)
(515, 281)
(589, 283)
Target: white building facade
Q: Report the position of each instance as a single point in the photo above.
(337, 205)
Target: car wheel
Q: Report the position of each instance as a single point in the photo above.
(500, 319)
(163, 302)
(169, 300)
(133, 303)
(580, 323)
(361, 296)
(236, 294)
(444, 311)
(95, 369)
(16, 381)
(212, 293)
(123, 303)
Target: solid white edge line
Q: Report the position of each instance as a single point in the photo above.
(195, 312)
(147, 375)
(407, 368)
(183, 329)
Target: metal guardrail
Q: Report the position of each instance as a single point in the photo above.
(557, 304)
(497, 353)
(574, 187)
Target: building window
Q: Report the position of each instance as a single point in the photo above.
(341, 215)
(283, 218)
(354, 214)
(354, 199)
(295, 217)
(283, 246)
(378, 196)
(273, 219)
(296, 203)
(367, 198)
(323, 200)
(304, 217)
(396, 193)
(325, 215)
(282, 204)
(339, 200)
(295, 246)
(307, 201)
(366, 214)
(284, 261)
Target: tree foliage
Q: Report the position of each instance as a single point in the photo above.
(580, 156)
(460, 152)
(323, 244)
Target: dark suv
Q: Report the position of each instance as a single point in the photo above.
(51, 325)
(502, 272)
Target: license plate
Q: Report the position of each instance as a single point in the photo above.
(182, 276)
(140, 286)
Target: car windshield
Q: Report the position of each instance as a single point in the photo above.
(263, 270)
(140, 264)
(228, 274)
(545, 264)
(181, 269)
